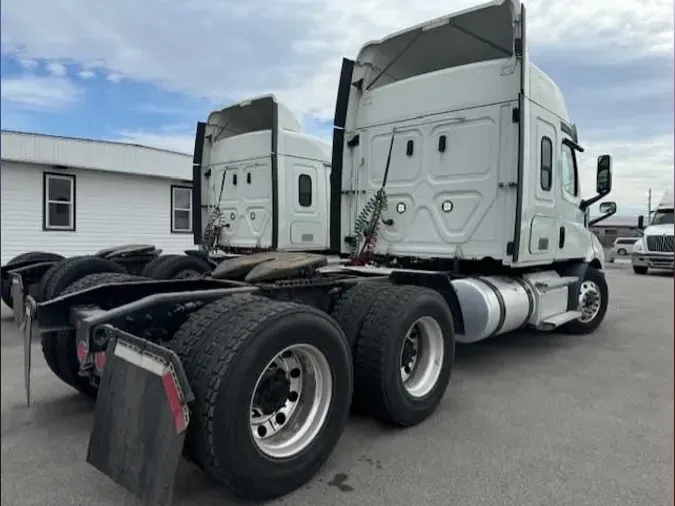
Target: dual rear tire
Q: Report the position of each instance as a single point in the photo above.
(403, 345)
(269, 406)
(68, 276)
(273, 381)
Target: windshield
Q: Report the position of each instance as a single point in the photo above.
(663, 217)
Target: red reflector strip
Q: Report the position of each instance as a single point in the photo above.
(99, 360)
(82, 351)
(174, 401)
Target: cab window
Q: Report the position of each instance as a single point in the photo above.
(546, 164)
(568, 167)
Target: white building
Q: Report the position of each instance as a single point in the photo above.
(76, 196)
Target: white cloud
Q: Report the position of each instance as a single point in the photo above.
(114, 77)
(86, 74)
(160, 109)
(39, 93)
(637, 166)
(28, 64)
(56, 69)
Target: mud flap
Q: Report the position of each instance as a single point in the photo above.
(141, 417)
(18, 299)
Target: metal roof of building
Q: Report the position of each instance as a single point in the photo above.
(92, 154)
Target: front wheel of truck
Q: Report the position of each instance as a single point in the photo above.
(272, 384)
(593, 297)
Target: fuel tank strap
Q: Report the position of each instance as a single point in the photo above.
(530, 298)
(502, 305)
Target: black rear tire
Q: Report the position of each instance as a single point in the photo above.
(31, 256)
(150, 267)
(579, 327)
(378, 381)
(63, 274)
(60, 349)
(181, 266)
(621, 251)
(352, 307)
(235, 348)
(638, 269)
(201, 325)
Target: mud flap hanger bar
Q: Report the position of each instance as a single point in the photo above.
(85, 326)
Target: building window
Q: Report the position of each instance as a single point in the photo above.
(58, 211)
(546, 167)
(305, 190)
(181, 209)
(569, 171)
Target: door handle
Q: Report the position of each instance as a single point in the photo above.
(561, 237)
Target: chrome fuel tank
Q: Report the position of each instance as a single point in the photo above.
(492, 305)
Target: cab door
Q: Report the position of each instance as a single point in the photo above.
(572, 233)
(540, 212)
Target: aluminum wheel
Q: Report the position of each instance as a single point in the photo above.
(589, 301)
(421, 358)
(290, 401)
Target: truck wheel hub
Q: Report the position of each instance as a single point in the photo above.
(273, 391)
(589, 301)
(422, 356)
(409, 354)
(291, 401)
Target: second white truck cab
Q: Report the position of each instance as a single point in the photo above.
(259, 180)
(655, 250)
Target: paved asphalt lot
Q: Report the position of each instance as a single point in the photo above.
(536, 419)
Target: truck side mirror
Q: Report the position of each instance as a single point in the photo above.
(604, 175)
(641, 222)
(607, 209)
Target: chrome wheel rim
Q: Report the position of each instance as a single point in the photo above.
(290, 401)
(589, 301)
(421, 357)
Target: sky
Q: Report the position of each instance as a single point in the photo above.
(146, 72)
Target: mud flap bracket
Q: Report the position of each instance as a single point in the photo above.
(141, 417)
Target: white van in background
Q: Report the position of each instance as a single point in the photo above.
(623, 246)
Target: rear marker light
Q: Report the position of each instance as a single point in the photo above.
(99, 361)
(82, 351)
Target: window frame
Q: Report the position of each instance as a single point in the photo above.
(300, 192)
(548, 169)
(172, 205)
(575, 166)
(71, 178)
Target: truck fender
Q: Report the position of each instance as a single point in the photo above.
(577, 269)
(438, 281)
(596, 253)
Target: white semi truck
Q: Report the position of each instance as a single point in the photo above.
(655, 250)
(454, 205)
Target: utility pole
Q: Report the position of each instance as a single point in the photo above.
(649, 204)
